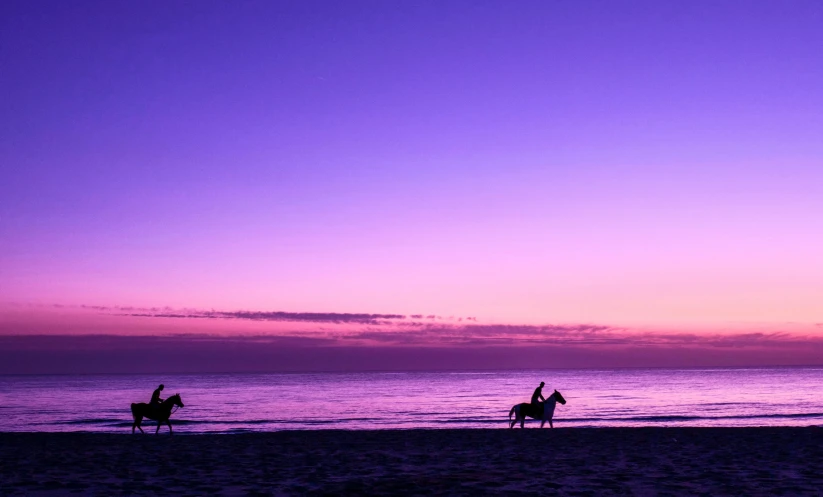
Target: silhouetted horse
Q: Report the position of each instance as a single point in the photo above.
(159, 413)
(542, 410)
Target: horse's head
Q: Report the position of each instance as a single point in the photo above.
(559, 397)
(176, 400)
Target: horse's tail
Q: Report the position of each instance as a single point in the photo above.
(512, 411)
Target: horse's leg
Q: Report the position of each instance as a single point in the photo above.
(158, 427)
(542, 422)
(168, 422)
(551, 425)
(522, 421)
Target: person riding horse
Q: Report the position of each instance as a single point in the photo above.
(155, 397)
(537, 396)
(160, 411)
(544, 411)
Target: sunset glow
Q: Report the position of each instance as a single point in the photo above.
(632, 182)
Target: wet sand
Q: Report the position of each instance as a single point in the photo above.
(638, 461)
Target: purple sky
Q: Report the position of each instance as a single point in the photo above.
(653, 166)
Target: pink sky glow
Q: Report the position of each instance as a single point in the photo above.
(39, 338)
(595, 183)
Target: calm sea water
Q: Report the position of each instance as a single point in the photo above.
(267, 402)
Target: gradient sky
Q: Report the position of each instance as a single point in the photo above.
(654, 165)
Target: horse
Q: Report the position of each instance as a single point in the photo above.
(542, 411)
(159, 413)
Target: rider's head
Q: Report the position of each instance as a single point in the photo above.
(161, 386)
(541, 384)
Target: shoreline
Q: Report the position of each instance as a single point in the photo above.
(149, 426)
(643, 460)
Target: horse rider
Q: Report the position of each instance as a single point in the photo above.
(155, 397)
(537, 396)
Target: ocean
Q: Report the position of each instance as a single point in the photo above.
(229, 403)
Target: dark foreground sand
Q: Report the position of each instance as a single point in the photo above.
(640, 461)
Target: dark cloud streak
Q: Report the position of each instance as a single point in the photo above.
(191, 354)
(311, 317)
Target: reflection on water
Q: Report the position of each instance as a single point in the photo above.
(266, 402)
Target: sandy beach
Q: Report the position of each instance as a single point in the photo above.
(639, 461)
